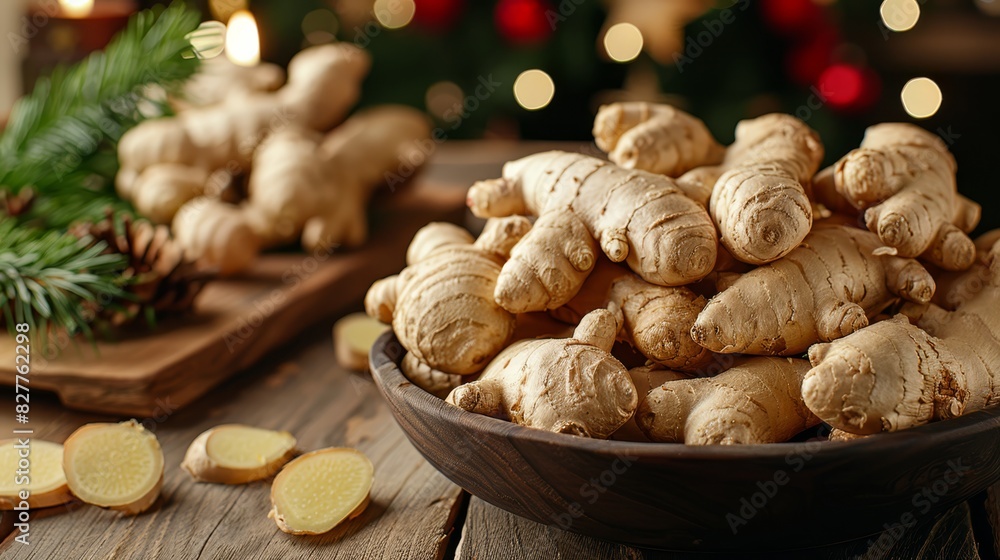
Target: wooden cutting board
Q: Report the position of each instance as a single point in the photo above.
(235, 321)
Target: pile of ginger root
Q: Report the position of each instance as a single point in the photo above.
(695, 293)
(251, 161)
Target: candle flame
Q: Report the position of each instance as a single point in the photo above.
(242, 39)
(77, 8)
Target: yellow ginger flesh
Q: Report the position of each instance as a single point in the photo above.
(118, 466)
(319, 490)
(235, 454)
(45, 481)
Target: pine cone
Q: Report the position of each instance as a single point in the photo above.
(158, 279)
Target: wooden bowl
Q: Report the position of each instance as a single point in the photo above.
(677, 497)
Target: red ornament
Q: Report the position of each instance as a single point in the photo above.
(792, 17)
(847, 87)
(437, 14)
(523, 21)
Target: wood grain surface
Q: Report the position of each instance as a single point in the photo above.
(235, 321)
(411, 514)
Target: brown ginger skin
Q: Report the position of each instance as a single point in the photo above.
(756, 193)
(318, 190)
(441, 305)
(658, 322)
(894, 375)
(759, 201)
(216, 235)
(645, 378)
(570, 385)
(758, 400)
(548, 266)
(827, 288)
(903, 178)
(656, 138)
(635, 216)
(323, 83)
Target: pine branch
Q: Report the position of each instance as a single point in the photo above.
(50, 279)
(60, 138)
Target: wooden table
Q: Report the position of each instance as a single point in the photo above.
(415, 512)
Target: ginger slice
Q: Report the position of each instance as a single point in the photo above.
(116, 466)
(44, 480)
(317, 491)
(353, 337)
(237, 454)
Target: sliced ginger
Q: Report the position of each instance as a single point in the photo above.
(116, 466)
(237, 454)
(317, 491)
(46, 485)
(353, 337)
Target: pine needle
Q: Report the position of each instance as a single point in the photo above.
(52, 279)
(60, 139)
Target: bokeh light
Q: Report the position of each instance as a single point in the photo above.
(921, 97)
(319, 27)
(76, 8)
(444, 100)
(394, 14)
(843, 85)
(534, 89)
(243, 39)
(900, 15)
(623, 42)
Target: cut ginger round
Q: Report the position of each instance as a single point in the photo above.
(116, 466)
(317, 491)
(45, 483)
(237, 454)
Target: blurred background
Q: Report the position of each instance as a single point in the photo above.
(539, 69)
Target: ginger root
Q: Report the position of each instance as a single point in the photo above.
(894, 375)
(903, 177)
(827, 288)
(319, 189)
(317, 491)
(645, 379)
(655, 138)
(441, 305)
(571, 386)
(427, 378)
(758, 400)
(635, 216)
(46, 485)
(658, 322)
(216, 235)
(323, 83)
(237, 454)
(116, 466)
(756, 193)
(759, 201)
(304, 187)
